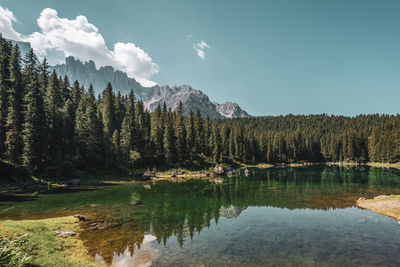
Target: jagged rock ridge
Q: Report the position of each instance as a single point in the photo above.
(192, 99)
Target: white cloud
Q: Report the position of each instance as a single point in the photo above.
(81, 39)
(6, 20)
(199, 48)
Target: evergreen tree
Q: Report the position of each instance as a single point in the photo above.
(199, 133)
(88, 130)
(169, 139)
(5, 54)
(53, 101)
(180, 134)
(191, 133)
(108, 110)
(13, 140)
(44, 75)
(157, 132)
(76, 93)
(31, 66)
(127, 131)
(34, 132)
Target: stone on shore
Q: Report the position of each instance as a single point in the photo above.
(65, 233)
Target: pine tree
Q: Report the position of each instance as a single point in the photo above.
(13, 140)
(199, 133)
(53, 101)
(30, 69)
(88, 130)
(127, 132)
(108, 110)
(76, 93)
(34, 132)
(169, 139)
(13, 137)
(191, 134)
(119, 111)
(140, 128)
(180, 134)
(116, 147)
(5, 53)
(216, 144)
(157, 132)
(44, 75)
(68, 129)
(65, 87)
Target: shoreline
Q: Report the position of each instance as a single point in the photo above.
(173, 174)
(385, 205)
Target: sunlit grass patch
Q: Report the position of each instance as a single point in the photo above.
(43, 246)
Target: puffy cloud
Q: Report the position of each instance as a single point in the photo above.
(6, 20)
(81, 39)
(125, 53)
(199, 48)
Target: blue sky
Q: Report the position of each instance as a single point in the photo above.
(271, 57)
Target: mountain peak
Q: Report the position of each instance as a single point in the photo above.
(192, 99)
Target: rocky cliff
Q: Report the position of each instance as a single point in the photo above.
(192, 99)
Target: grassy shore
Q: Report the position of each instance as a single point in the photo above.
(43, 246)
(386, 205)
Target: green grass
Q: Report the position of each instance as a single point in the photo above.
(43, 246)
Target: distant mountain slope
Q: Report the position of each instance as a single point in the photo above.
(231, 110)
(192, 99)
(24, 47)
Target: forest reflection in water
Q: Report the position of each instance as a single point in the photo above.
(177, 211)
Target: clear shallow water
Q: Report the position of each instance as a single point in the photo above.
(279, 216)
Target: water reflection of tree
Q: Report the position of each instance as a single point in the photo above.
(180, 210)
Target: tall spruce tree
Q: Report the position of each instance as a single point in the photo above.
(180, 134)
(5, 54)
(108, 110)
(53, 101)
(34, 131)
(88, 131)
(13, 140)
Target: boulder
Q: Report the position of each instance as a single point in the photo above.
(173, 173)
(65, 233)
(218, 170)
(146, 174)
(80, 217)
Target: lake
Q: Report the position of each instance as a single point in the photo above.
(276, 216)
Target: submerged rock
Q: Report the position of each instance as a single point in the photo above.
(147, 186)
